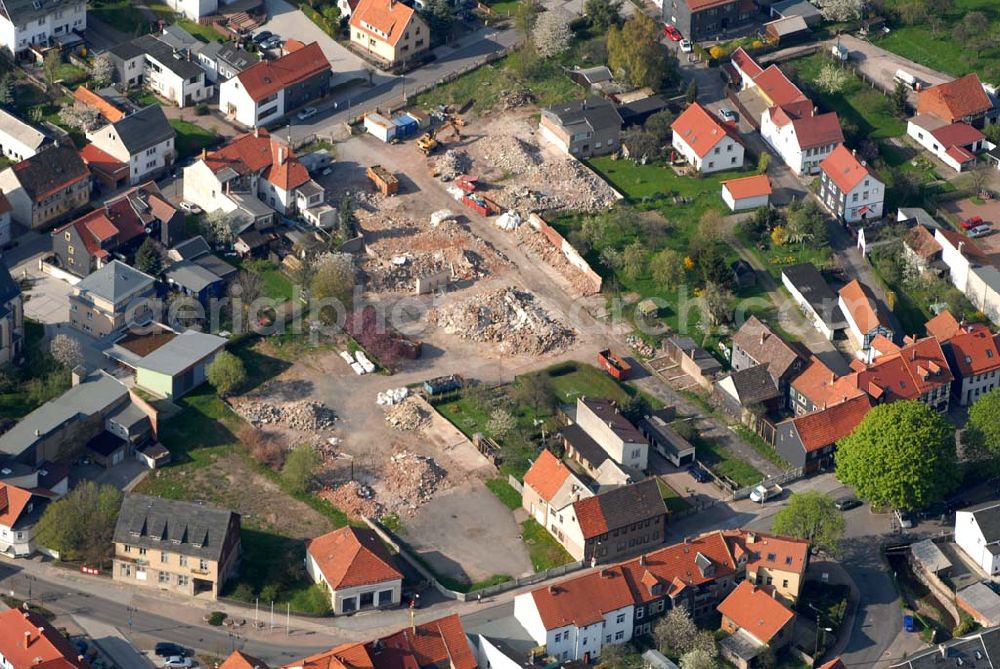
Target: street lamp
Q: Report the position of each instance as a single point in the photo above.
(30, 579)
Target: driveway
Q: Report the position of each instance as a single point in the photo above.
(48, 297)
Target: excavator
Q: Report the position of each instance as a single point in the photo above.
(433, 139)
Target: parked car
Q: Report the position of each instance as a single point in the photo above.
(262, 36)
(190, 207)
(980, 231)
(847, 503)
(168, 649)
(971, 222)
(904, 518)
(698, 474)
(686, 46)
(728, 114)
(178, 662)
(327, 172)
(272, 42)
(672, 32)
(908, 624)
(307, 113)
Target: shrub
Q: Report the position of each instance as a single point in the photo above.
(266, 447)
(216, 618)
(243, 592)
(201, 109)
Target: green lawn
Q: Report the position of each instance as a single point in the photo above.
(675, 503)
(121, 15)
(70, 74)
(724, 463)
(37, 381)
(192, 138)
(504, 7)
(775, 258)
(202, 32)
(545, 552)
(277, 286)
(505, 493)
(572, 380)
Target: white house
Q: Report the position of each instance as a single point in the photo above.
(157, 66)
(144, 141)
(971, 271)
(977, 533)
(614, 433)
(194, 9)
(708, 144)
(746, 192)
(576, 618)
(549, 487)
(801, 141)
(270, 89)
(18, 140)
(848, 188)
(27, 22)
(866, 319)
(356, 568)
(954, 144)
(19, 511)
(815, 297)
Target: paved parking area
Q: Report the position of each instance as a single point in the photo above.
(989, 211)
(881, 65)
(48, 297)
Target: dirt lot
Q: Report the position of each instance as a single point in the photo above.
(989, 211)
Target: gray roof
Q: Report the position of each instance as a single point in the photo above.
(49, 170)
(176, 37)
(930, 556)
(657, 660)
(594, 113)
(96, 393)
(182, 352)
(116, 282)
(983, 599)
(9, 289)
(802, 8)
(754, 384)
(608, 412)
(215, 265)
(190, 249)
(584, 445)
(23, 132)
(595, 75)
(189, 275)
(145, 128)
(788, 25)
(987, 516)
(162, 52)
(975, 651)
(130, 417)
(237, 58)
(919, 215)
(23, 11)
(817, 292)
(664, 435)
(187, 528)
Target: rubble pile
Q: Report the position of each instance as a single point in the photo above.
(353, 498)
(577, 187)
(525, 200)
(508, 100)
(537, 245)
(407, 416)
(639, 346)
(507, 317)
(392, 396)
(452, 163)
(306, 416)
(411, 479)
(508, 154)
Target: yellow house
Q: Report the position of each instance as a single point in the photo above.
(780, 562)
(389, 31)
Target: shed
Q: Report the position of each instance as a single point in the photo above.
(981, 602)
(808, 11)
(406, 126)
(788, 30)
(380, 126)
(654, 659)
(746, 192)
(422, 118)
(647, 308)
(931, 558)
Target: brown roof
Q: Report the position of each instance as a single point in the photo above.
(920, 240)
(700, 129)
(240, 660)
(818, 130)
(671, 569)
(51, 171)
(583, 600)
(389, 18)
(756, 610)
(608, 412)
(88, 97)
(955, 100)
(270, 76)
(944, 326)
(619, 507)
(352, 556)
(824, 427)
(748, 186)
(259, 152)
(957, 134)
(821, 386)
(843, 167)
(546, 476)
(766, 347)
(866, 311)
(970, 249)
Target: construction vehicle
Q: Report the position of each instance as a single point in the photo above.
(427, 143)
(384, 180)
(431, 140)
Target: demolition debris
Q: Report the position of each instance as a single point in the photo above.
(407, 416)
(305, 416)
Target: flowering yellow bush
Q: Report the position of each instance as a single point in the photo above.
(717, 52)
(688, 263)
(779, 236)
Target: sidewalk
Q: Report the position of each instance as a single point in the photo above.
(113, 643)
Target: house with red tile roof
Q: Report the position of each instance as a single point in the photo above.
(104, 107)
(771, 560)
(746, 192)
(28, 640)
(848, 188)
(436, 644)
(240, 660)
(271, 89)
(707, 143)
(818, 387)
(808, 441)
(963, 100)
(88, 243)
(917, 370)
(746, 67)
(20, 509)
(954, 144)
(356, 568)
(801, 136)
(254, 172)
(756, 619)
(389, 31)
(866, 317)
(549, 487)
(973, 354)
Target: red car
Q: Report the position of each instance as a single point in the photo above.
(672, 32)
(970, 223)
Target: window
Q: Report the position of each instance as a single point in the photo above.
(620, 618)
(164, 577)
(142, 551)
(164, 557)
(70, 249)
(784, 583)
(183, 579)
(711, 164)
(182, 561)
(126, 548)
(716, 150)
(640, 613)
(619, 635)
(607, 639)
(203, 565)
(67, 235)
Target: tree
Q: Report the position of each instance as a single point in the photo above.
(691, 92)
(148, 259)
(636, 54)
(103, 70)
(535, 390)
(667, 268)
(979, 179)
(973, 32)
(763, 162)
(939, 7)
(50, 66)
(641, 146)
(80, 116)
(806, 223)
(300, 468)
(983, 426)
(7, 91)
(603, 14)
(333, 280)
(900, 98)
(525, 15)
(551, 34)
(216, 227)
(634, 260)
(906, 184)
(935, 22)
(698, 659)
(635, 408)
(501, 423)
(617, 656)
(658, 125)
(913, 12)
(440, 19)
(717, 303)
(81, 525)
(226, 373)
(676, 632)
(66, 350)
(705, 642)
(813, 517)
(841, 10)
(901, 454)
(251, 286)
(832, 79)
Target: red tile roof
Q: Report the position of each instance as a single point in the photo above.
(590, 517)
(844, 169)
(746, 63)
(669, 570)
(771, 551)
(957, 134)
(975, 350)
(103, 161)
(920, 240)
(352, 556)
(954, 100)
(907, 372)
(270, 76)
(700, 129)
(546, 476)
(778, 88)
(824, 427)
(117, 220)
(756, 610)
(240, 660)
(583, 600)
(46, 647)
(388, 17)
(619, 507)
(821, 386)
(864, 309)
(259, 152)
(13, 501)
(818, 130)
(970, 249)
(111, 113)
(835, 663)
(748, 186)
(959, 154)
(944, 326)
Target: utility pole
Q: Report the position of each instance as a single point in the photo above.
(288, 618)
(272, 615)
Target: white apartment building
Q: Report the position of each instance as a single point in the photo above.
(848, 188)
(27, 22)
(144, 141)
(802, 142)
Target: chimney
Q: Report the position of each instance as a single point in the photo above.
(854, 152)
(204, 154)
(751, 538)
(27, 639)
(281, 155)
(814, 110)
(552, 589)
(961, 248)
(687, 540)
(78, 374)
(256, 132)
(833, 377)
(763, 336)
(642, 560)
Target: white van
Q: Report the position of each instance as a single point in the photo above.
(905, 77)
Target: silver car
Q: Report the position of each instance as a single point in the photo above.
(980, 231)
